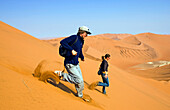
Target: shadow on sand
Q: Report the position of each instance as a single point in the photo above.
(61, 86)
(89, 85)
(66, 89)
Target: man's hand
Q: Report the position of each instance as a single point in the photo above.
(106, 76)
(74, 52)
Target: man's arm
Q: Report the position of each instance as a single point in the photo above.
(65, 42)
(81, 55)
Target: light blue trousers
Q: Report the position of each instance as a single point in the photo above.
(74, 76)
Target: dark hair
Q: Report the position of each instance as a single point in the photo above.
(80, 32)
(102, 57)
(106, 56)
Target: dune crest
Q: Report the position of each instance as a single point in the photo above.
(131, 40)
(115, 36)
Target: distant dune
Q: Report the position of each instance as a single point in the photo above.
(138, 78)
(115, 36)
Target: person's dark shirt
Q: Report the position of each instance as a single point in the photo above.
(77, 46)
(104, 66)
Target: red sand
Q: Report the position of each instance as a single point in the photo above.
(20, 54)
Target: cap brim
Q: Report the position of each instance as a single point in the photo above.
(88, 32)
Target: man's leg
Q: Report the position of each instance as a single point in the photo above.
(74, 76)
(79, 87)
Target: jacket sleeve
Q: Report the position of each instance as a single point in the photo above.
(81, 55)
(65, 42)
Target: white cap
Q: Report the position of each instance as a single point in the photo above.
(84, 28)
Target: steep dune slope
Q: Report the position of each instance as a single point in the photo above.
(22, 52)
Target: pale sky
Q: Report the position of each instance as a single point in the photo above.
(60, 18)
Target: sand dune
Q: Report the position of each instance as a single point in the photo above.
(115, 36)
(22, 54)
(125, 50)
(158, 70)
(159, 42)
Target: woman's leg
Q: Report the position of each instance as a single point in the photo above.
(105, 83)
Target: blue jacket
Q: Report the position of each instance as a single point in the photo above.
(71, 59)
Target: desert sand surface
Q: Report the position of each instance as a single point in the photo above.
(135, 84)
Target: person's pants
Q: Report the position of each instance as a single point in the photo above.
(105, 83)
(74, 76)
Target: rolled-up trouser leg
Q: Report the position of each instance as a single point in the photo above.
(74, 76)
